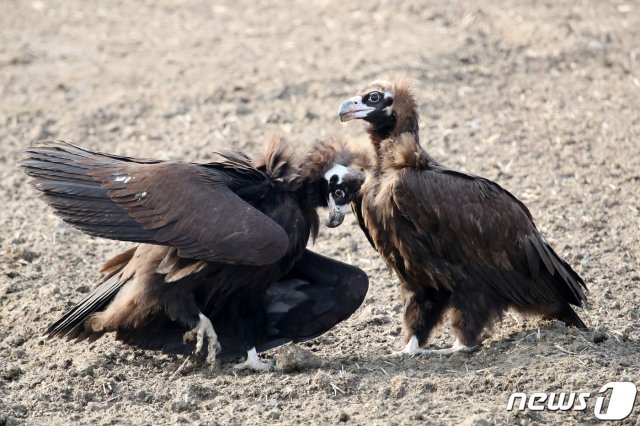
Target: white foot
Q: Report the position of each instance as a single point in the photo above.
(457, 347)
(253, 362)
(412, 348)
(204, 328)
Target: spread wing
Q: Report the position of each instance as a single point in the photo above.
(184, 205)
(483, 230)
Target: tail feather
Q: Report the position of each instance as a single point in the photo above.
(573, 281)
(559, 274)
(71, 324)
(569, 285)
(570, 317)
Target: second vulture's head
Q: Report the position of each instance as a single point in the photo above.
(335, 166)
(388, 106)
(343, 184)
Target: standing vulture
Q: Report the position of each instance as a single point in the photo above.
(457, 242)
(222, 255)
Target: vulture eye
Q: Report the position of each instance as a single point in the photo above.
(375, 97)
(339, 193)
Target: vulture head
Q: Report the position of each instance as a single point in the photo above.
(342, 186)
(388, 106)
(337, 168)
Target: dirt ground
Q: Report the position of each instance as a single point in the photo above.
(542, 96)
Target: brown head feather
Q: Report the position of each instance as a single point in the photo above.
(321, 156)
(405, 107)
(279, 162)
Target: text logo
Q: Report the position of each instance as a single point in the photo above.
(620, 401)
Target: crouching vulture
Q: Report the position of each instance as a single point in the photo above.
(222, 257)
(456, 241)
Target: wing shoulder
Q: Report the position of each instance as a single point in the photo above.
(465, 220)
(462, 203)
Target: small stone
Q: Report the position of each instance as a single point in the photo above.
(143, 396)
(343, 417)
(11, 373)
(18, 353)
(243, 110)
(83, 289)
(274, 415)
(310, 115)
(476, 420)
(86, 370)
(20, 410)
(179, 406)
(599, 337)
(15, 254)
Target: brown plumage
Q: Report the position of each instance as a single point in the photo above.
(223, 246)
(457, 242)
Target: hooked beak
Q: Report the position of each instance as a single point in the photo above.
(336, 213)
(353, 108)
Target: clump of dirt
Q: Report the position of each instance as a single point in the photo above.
(291, 358)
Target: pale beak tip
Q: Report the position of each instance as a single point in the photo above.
(347, 108)
(336, 213)
(334, 221)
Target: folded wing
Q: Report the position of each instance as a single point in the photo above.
(476, 224)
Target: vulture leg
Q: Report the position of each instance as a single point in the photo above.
(458, 346)
(473, 308)
(422, 312)
(205, 328)
(253, 362)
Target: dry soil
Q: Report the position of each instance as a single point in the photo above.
(542, 96)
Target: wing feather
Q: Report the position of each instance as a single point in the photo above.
(184, 205)
(474, 223)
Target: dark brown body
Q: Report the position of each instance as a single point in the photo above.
(313, 296)
(224, 239)
(456, 241)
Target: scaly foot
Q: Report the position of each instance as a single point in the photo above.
(204, 328)
(457, 347)
(254, 363)
(411, 349)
